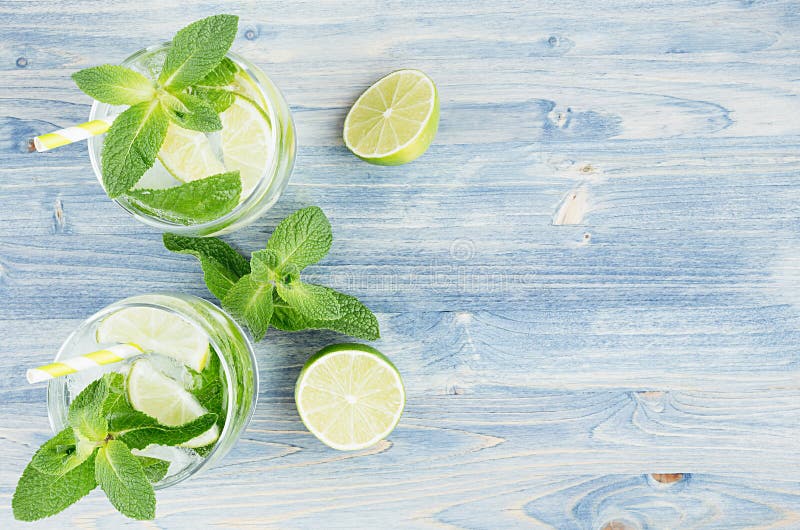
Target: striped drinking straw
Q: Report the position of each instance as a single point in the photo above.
(113, 354)
(70, 135)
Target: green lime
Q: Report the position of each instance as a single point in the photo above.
(188, 155)
(349, 396)
(395, 120)
(156, 330)
(246, 136)
(163, 398)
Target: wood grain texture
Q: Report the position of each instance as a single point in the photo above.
(556, 351)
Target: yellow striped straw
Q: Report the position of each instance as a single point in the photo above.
(70, 135)
(113, 354)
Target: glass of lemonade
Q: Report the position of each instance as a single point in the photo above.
(168, 326)
(257, 139)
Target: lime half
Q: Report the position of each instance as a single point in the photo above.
(159, 331)
(395, 120)
(166, 400)
(349, 396)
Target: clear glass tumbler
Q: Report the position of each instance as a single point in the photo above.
(227, 339)
(279, 161)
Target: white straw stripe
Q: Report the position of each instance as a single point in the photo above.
(80, 363)
(34, 375)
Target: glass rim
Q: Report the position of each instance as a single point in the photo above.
(55, 397)
(217, 225)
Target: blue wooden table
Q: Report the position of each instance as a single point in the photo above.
(591, 282)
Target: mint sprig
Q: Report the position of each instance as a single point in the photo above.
(196, 56)
(268, 291)
(95, 449)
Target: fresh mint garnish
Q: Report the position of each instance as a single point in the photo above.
(191, 112)
(302, 239)
(269, 291)
(144, 434)
(196, 50)
(122, 478)
(191, 90)
(85, 413)
(312, 301)
(194, 202)
(356, 319)
(222, 265)
(39, 495)
(154, 468)
(61, 453)
(115, 85)
(212, 87)
(95, 448)
(250, 301)
(131, 146)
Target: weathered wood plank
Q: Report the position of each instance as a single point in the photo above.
(659, 334)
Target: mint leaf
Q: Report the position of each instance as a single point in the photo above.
(154, 468)
(115, 85)
(131, 146)
(191, 112)
(302, 238)
(267, 266)
(218, 98)
(197, 49)
(121, 476)
(139, 437)
(312, 301)
(40, 495)
(195, 202)
(250, 301)
(209, 389)
(356, 319)
(215, 87)
(116, 396)
(221, 76)
(61, 453)
(85, 414)
(222, 265)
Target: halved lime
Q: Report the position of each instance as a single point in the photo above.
(156, 330)
(395, 120)
(246, 142)
(188, 155)
(349, 396)
(163, 398)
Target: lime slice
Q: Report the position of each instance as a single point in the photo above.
(395, 120)
(246, 86)
(156, 330)
(166, 400)
(349, 396)
(246, 136)
(188, 155)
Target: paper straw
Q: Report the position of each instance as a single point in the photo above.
(114, 354)
(70, 135)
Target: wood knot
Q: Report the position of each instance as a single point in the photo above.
(618, 525)
(667, 478)
(250, 34)
(22, 62)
